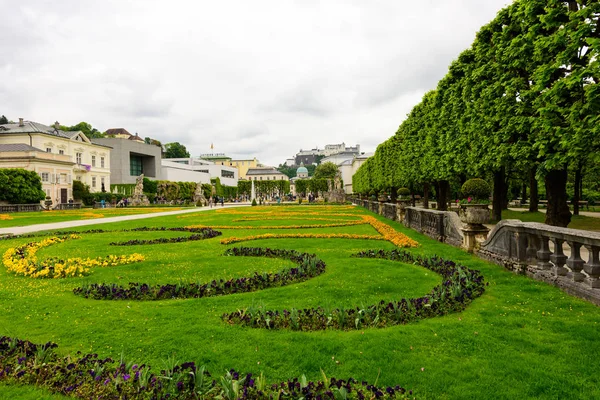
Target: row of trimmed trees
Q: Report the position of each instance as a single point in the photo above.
(522, 100)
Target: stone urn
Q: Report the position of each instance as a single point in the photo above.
(48, 202)
(474, 216)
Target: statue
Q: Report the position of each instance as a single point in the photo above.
(335, 192)
(199, 195)
(139, 198)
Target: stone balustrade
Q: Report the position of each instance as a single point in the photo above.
(10, 208)
(538, 250)
(444, 226)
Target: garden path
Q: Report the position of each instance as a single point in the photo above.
(20, 230)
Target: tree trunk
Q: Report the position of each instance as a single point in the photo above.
(426, 195)
(558, 213)
(443, 196)
(524, 193)
(533, 191)
(498, 199)
(505, 190)
(577, 189)
(393, 194)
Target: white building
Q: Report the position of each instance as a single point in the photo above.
(198, 170)
(349, 167)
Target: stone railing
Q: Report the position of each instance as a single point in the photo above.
(538, 250)
(68, 206)
(9, 208)
(444, 226)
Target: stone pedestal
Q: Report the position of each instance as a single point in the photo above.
(474, 234)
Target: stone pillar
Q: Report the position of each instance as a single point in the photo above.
(474, 236)
(543, 254)
(592, 267)
(558, 258)
(575, 263)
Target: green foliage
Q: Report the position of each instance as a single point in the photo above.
(476, 188)
(302, 186)
(3, 120)
(149, 140)
(85, 127)
(253, 202)
(150, 186)
(19, 186)
(81, 192)
(403, 191)
(326, 171)
(176, 150)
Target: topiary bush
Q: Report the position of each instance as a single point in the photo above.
(477, 190)
(253, 202)
(402, 192)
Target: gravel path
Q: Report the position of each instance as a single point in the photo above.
(19, 230)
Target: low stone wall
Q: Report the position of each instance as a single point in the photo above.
(524, 247)
(536, 250)
(9, 208)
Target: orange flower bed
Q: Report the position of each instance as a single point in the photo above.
(349, 223)
(301, 236)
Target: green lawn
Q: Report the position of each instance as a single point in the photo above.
(521, 339)
(47, 217)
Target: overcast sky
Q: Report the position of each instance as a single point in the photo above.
(256, 78)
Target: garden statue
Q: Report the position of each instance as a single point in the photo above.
(335, 193)
(139, 198)
(199, 195)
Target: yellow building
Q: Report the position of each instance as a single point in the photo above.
(59, 157)
(242, 165)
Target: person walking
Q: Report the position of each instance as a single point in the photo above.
(210, 201)
(222, 200)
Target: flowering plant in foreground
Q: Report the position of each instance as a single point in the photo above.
(460, 286)
(22, 260)
(308, 266)
(86, 376)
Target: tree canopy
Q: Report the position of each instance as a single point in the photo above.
(524, 97)
(176, 150)
(85, 127)
(326, 171)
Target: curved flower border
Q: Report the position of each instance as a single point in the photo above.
(308, 266)
(231, 240)
(87, 376)
(460, 287)
(22, 260)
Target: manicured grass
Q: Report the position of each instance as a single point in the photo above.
(521, 339)
(46, 217)
(577, 221)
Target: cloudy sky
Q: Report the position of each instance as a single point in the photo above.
(262, 78)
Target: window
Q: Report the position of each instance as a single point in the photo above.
(63, 178)
(45, 177)
(61, 152)
(136, 165)
(78, 158)
(78, 178)
(48, 150)
(227, 174)
(93, 161)
(57, 178)
(93, 181)
(101, 162)
(261, 178)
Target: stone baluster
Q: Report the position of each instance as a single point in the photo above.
(531, 251)
(592, 267)
(558, 258)
(575, 262)
(543, 254)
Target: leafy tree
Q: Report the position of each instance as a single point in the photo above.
(176, 150)
(19, 186)
(155, 142)
(326, 171)
(87, 129)
(3, 120)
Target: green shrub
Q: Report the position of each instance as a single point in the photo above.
(591, 196)
(150, 186)
(19, 186)
(253, 202)
(403, 192)
(476, 189)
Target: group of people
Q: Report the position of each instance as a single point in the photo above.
(216, 200)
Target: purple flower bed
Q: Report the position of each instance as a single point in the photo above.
(459, 287)
(203, 233)
(87, 376)
(308, 266)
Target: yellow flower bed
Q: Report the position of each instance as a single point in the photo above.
(301, 236)
(349, 223)
(22, 260)
(390, 234)
(5, 217)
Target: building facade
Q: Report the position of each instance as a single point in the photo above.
(131, 158)
(59, 157)
(266, 174)
(228, 175)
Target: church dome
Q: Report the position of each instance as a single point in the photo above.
(301, 170)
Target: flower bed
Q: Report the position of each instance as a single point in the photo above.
(390, 234)
(307, 226)
(204, 233)
(308, 267)
(460, 286)
(87, 376)
(22, 260)
(231, 240)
